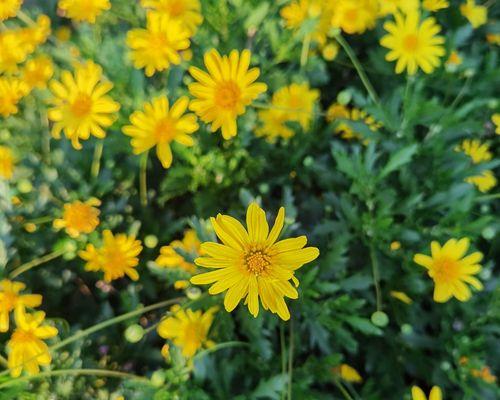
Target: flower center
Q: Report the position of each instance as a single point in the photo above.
(82, 105)
(193, 333)
(165, 130)
(79, 216)
(257, 261)
(175, 8)
(227, 95)
(23, 337)
(445, 270)
(351, 14)
(411, 42)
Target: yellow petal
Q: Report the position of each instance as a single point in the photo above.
(417, 393)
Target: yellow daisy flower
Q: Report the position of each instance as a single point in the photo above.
(418, 394)
(435, 5)
(496, 121)
(170, 258)
(188, 329)
(12, 90)
(37, 72)
(27, 350)
(477, 15)
(187, 12)
(476, 150)
(9, 8)
(484, 182)
(116, 257)
(81, 106)
(159, 125)
(401, 296)
(79, 217)
(251, 263)
(84, 10)
(273, 125)
(348, 373)
(450, 270)
(158, 46)
(10, 298)
(12, 51)
(223, 93)
(413, 44)
(6, 161)
(355, 16)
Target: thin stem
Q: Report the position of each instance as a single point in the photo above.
(96, 161)
(217, 347)
(143, 179)
(488, 197)
(376, 276)
(39, 221)
(34, 263)
(3, 361)
(63, 372)
(343, 390)
(283, 354)
(358, 66)
(25, 18)
(304, 55)
(290, 361)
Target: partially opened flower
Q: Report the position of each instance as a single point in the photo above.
(12, 90)
(6, 163)
(476, 14)
(79, 217)
(10, 298)
(251, 263)
(187, 12)
(225, 91)
(450, 270)
(27, 350)
(84, 10)
(418, 394)
(9, 8)
(80, 104)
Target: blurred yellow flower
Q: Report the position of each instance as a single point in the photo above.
(477, 15)
(12, 90)
(6, 160)
(493, 38)
(401, 296)
(84, 10)
(330, 51)
(37, 72)
(159, 125)
(170, 258)
(395, 6)
(418, 394)
(450, 270)
(9, 8)
(158, 46)
(476, 150)
(485, 374)
(182, 284)
(79, 217)
(496, 121)
(339, 111)
(454, 59)
(484, 182)
(413, 44)
(223, 93)
(12, 50)
(188, 329)
(348, 373)
(395, 245)
(63, 33)
(355, 16)
(273, 125)
(37, 34)
(27, 350)
(187, 12)
(435, 5)
(10, 298)
(117, 256)
(80, 104)
(251, 263)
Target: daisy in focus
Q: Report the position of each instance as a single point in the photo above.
(477, 15)
(188, 329)
(450, 270)
(9, 8)
(171, 257)
(251, 263)
(27, 350)
(80, 104)
(79, 217)
(159, 125)
(418, 394)
(6, 163)
(10, 298)
(187, 12)
(223, 93)
(117, 256)
(84, 10)
(413, 44)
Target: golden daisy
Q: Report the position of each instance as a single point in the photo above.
(9, 8)
(188, 329)
(79, 217)
(484, 182)
(450, 270)
(10, 298)
(84, 10)
(251, 263)
(159, 45)
(348, 373)
(476, 14)
(413, 44)
(418, 394)
(435, 5)
(12, 90)
(80, 104)
(496, 121)
(187, 12)
(159, 125)
(223, 93)
(170, 258)
(37, 72)
(355, 16)
(27, 350)
(477, 151)
(117, 256)
(6, 162)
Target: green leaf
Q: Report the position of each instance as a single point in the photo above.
(399, 159)
(270, 388)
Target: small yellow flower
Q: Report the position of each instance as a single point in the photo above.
(63, 33)
(496, 121)
(477, 151)
(187, 12)
(12, 90)
(188, 329)
(6, 163)
(493, 38)
(435, 5)
(84, 10)
(396, 6)
(450, 270)
(180, 285)
(27, 350)
(165, 352)
(348, 373)
(223, 93)
(395, 245)
(81, 106)
(79, 217)
(170, 258)
(10, 299)
(477, 15)
(454, 59)
(340, 112)
(158, 46)
(9, 8)
(355, 16)
(330, 51)
(485, 374)
(37, 72)
(273, 125)
(418, 394)
(251, 264)
(401, 296)
(484, 182)
(117, 256)
(413, 43)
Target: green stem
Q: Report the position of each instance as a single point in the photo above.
(63, 372)
(488, 197)
(283, 354)
(41, 220)
(96, 162)
(376, 276)
(304, 55)
(343, 390)
(358, 66)
(4, 361)
(34, 263)
(290, 361)
(143, 179)
(217, 347)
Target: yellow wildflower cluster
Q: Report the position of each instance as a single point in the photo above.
(479, 152)
(171, 257)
